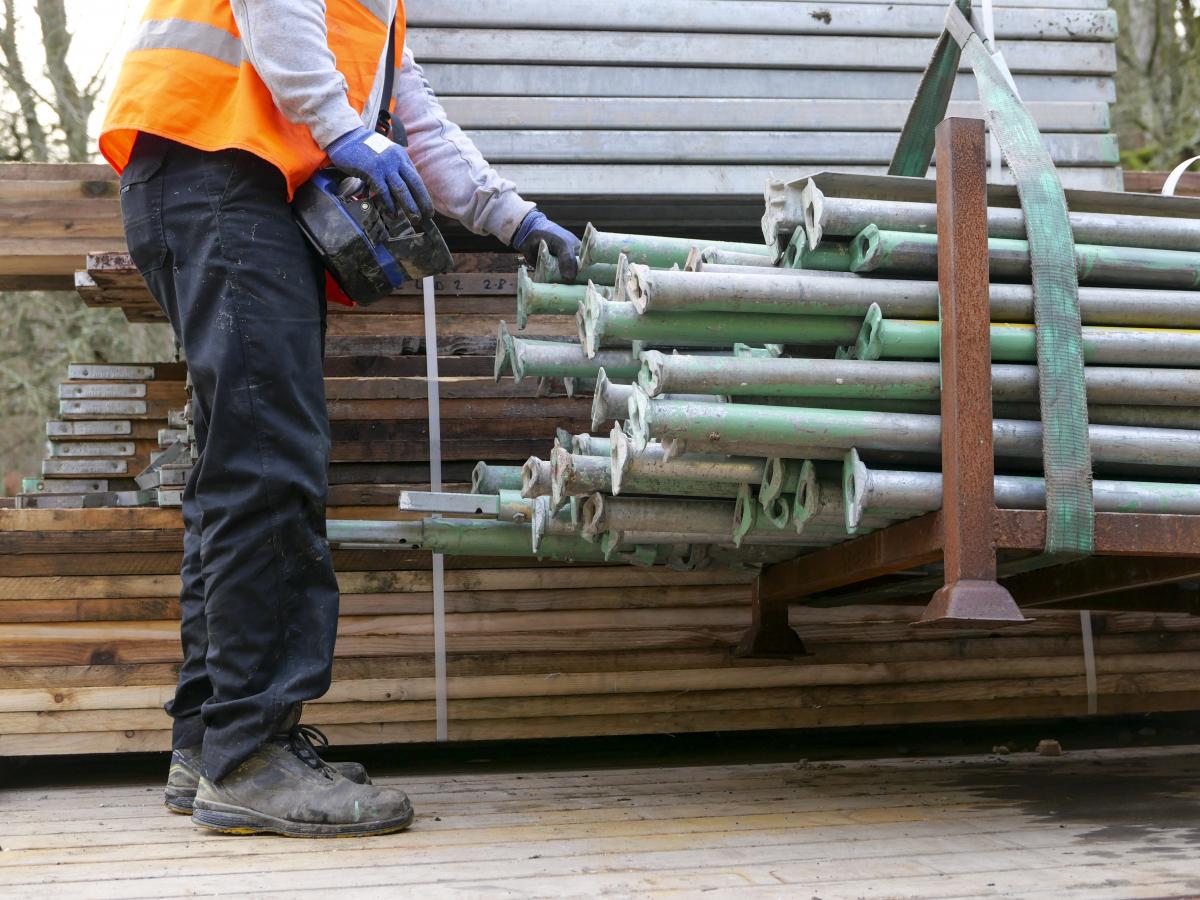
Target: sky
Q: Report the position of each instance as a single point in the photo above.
(101, 29)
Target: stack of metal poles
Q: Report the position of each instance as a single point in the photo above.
(752, 403)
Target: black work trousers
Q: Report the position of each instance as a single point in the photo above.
(214, 238)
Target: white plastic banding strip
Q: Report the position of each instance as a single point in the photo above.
(435, 485)
(1089, 659)
(989, 33)
(1176, 176)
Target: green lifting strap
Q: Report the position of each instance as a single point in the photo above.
(915, 150)
(1066, 453)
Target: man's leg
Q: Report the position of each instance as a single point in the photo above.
(141, 203)
(213, 235)
(215, 239)
(248, 306)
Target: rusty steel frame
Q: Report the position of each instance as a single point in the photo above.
(968, 532)
(971, 594)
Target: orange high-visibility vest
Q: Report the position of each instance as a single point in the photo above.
(187, 78)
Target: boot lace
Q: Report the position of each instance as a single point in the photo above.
(301, 740)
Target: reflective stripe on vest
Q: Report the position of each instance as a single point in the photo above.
(381, 9)
(184, 43)
(180, 34)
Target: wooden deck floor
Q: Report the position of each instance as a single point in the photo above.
(1093, 824)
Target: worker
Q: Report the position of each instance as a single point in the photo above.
(221, 110)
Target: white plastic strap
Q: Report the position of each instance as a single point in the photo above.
(989, 25)
(989, 35)
(1176, 176)
(435, 484)
(1089, 659)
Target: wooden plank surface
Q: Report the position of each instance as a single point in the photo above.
(1090, 825)
(90, 650)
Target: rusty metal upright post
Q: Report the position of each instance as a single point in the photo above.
(769, 636)
(971, 595)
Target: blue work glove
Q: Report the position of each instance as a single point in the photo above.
(536, 228)
(386, 168)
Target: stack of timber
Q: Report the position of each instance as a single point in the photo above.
(89, 649)
(117, 425)
(376, 380)
(53, 215)
(1154, 182)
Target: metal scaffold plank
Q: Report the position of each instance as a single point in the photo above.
(732, 114)
(1041, 22)
(734, 147)
(623, 48)
(514, 79)
(658, 180)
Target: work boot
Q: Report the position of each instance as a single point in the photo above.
(285, 788)
(184, 777)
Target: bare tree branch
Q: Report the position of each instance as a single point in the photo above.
(73, 107)
(1157, 113)
(14, 75)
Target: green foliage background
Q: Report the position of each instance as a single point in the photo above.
(1157, 113)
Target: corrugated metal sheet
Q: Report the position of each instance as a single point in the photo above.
(675, 111)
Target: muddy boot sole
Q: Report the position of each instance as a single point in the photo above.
(227, 819)
(179, 800)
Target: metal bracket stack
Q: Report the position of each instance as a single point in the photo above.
(109, 434)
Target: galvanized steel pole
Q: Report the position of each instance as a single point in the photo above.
(609, 400)
(487, 479)
(601, 319)
(578, 476)
(846, 217)
(640, 472)
(590, 445)
(868, 490)
(898, 252)
(838, 379)
(736, 424)
(662, 252)
(560, 359)
(821, 294)
(549, 299)
(883, 338)
(536, 478)
(547, 272)
(719, 257)
(701, 521)
(461, 537)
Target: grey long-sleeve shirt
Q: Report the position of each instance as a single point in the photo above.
(287, 43)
